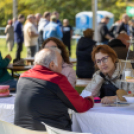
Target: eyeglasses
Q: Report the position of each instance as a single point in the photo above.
(104, 60)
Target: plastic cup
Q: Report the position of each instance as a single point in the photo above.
(128, 73)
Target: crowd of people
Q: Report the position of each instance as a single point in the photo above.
(35, 30)
(46, 91)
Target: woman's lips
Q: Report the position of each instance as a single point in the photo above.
(104, 68)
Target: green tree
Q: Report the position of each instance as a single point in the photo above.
(67, 9)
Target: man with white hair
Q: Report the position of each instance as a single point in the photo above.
(124, 25)
(44, 94)
(30, 36)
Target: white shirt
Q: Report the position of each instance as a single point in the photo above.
(30, 41)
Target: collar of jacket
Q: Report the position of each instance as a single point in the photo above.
(117, 72)
(67, 65)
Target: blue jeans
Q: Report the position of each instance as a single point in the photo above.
(12, 83)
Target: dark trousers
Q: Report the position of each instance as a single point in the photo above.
(68, 44)
(31, 51)
(19, 49)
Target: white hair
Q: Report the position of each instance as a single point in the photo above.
(46, 56)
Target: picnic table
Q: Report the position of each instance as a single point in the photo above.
(105, 119)
(17, 68)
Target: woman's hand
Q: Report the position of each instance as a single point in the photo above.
(9, 57)
(108, 99)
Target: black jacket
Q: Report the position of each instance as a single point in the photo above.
(119, 48)
(121, 27)
(85, 65)
(45, 96)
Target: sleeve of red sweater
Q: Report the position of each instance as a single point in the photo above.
(78, 103)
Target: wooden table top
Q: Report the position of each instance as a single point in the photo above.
(18, 68)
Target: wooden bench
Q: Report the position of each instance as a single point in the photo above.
(73, 60)
(29, 61)
(82, 82)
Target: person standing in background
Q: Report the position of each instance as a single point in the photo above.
(103, 34)
(18, 36)
(14, 20)
(52, 29)
(67, 34)
(131, 28)
(30, 35)
(9, 35)
(44, 21)
(38, 17)
(124, 25)
(57, 17)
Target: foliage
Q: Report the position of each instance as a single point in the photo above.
(67, 9)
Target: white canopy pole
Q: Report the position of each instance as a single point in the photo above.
(14, 8)
(94, 22)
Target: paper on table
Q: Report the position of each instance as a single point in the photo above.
(85, 93)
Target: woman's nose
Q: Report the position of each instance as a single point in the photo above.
(102, 63)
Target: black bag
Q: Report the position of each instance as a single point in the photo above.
(107, 88)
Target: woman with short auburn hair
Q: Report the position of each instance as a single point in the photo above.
(106, 81)
(67, 69)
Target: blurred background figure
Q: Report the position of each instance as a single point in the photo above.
(67, 34)
(13, 21)
(44, 21)
(31, 35)
(124, 25)
(57, 18)
(85, 65)
(103, 34)
(52, 29)
(9, 35)
(112, 30)
(131, 28)
(38, 17)
(18, 36)
(120, 45)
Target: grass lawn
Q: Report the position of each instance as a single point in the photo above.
(4, 52)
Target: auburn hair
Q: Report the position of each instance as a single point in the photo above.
(89, 33)
(106, 50)
(61, 46)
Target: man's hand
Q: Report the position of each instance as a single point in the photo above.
(9, 57)
(108, 99)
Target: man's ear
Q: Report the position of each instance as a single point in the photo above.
(51, 65)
